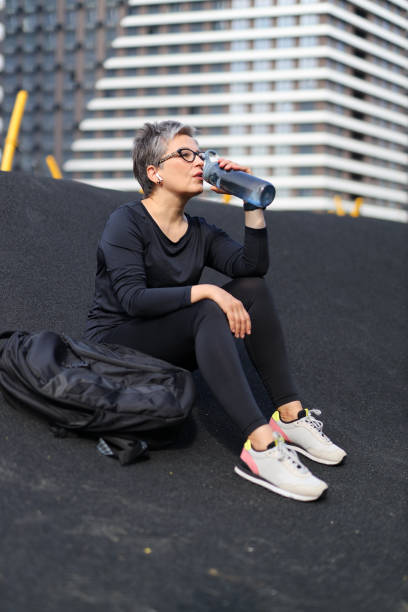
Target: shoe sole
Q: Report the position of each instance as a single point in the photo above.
(301, 450)
(268, 485)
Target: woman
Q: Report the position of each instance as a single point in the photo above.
(147, 296)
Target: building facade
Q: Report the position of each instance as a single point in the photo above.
(311, 95)
(55, 51)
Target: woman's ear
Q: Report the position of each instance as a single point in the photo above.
(151, 173)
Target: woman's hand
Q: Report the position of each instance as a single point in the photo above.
(238, 318)
(227, 164)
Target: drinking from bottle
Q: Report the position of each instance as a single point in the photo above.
(249, 188)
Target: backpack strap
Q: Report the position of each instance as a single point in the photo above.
(127, 451)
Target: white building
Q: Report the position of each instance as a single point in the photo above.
(312, 95)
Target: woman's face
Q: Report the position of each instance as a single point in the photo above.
(179, 176)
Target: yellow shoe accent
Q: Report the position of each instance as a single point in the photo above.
(247, 444)
(276, 416)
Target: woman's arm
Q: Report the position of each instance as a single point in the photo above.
(238, 318)
(232, 259)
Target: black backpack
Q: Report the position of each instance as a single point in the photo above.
(129, 400)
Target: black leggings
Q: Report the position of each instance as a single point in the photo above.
(200, 336)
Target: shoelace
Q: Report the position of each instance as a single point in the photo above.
(318, 425)
(288, 454)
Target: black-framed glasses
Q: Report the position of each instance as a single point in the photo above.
(187, 154)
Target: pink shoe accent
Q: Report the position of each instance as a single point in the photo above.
(275, 427)
(247, 458)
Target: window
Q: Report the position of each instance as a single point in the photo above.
(262, 43)
(307, 62)
(238, 108)
(239, 66)
(283, 150)
(261, 86)
(307, 84)
(308, 41)
(284, 107)
(285, 42)
(307, 106)
(259, 129)
(309, 19)
(237, 45)
(240, 24)
(283, 85)
(284, 64)
(260, 107)
(286, 21)
(262, 22)
(237, 87)
(259, 150)
(283, 128)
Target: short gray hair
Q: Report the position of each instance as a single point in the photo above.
(150, 145)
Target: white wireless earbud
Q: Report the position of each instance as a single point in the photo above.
(159, 177)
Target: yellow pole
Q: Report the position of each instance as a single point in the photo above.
(53, 167)
(357, 205)
(339, 208)
(14, 128)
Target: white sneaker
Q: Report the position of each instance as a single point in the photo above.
(279, 470)
(305, 436)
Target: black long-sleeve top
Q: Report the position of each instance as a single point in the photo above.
(142, 273)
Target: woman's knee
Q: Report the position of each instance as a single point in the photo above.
(248, 289)
(208, 312)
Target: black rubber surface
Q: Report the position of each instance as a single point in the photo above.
(181, 531)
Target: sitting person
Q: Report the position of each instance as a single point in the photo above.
(147, 296)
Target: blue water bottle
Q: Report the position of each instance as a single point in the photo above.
(249, 188)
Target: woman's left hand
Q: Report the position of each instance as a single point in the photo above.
(227, 164)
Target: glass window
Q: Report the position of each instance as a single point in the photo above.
(50, 21)
(239, 44)
(29, 43)
(283, 150)
(262, 22)
(239, 66)
(307, 84)
(286, 21)
(284, 64)
(259, 150)
(307, 62)
(70, 40)
(262, 43)
(240, 24)
(309, 19)
(260, 107)
(284, 107)
(259, 129)
(237, 87)
(283, 128)
(238, 108)
(306, 149)
(29, 23)
(308, 41)
(285, 42)
(307, 106)
(261, 86)
(262, 65)
(283, 85)
(237, 129)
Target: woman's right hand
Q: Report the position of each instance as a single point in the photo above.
(238, 317)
